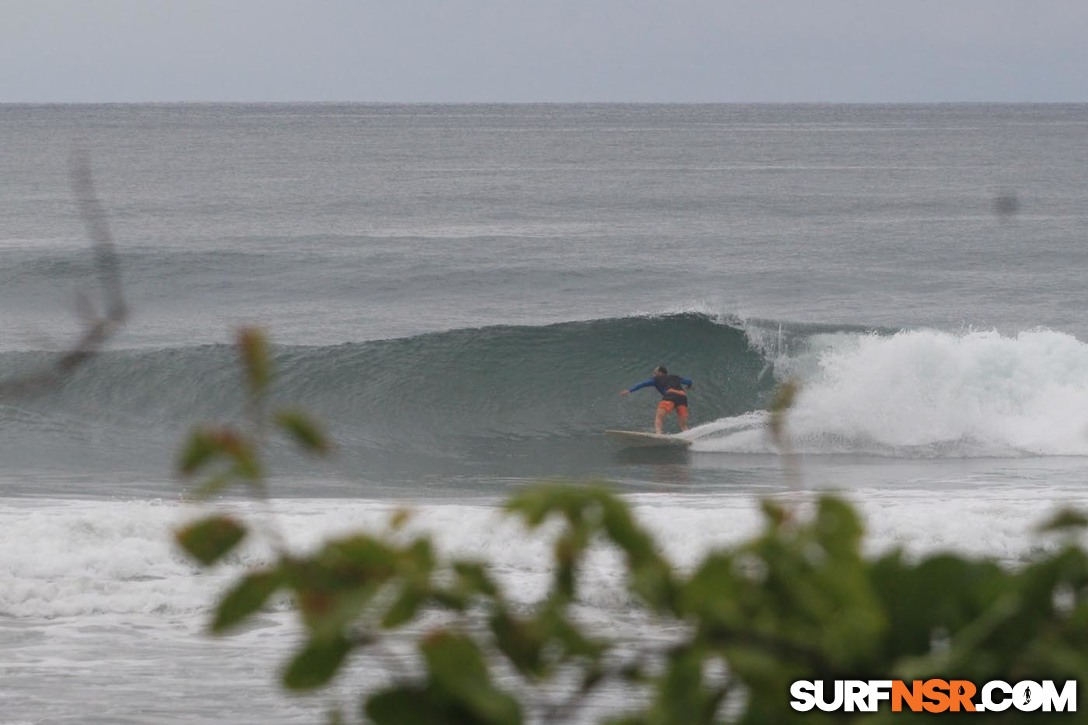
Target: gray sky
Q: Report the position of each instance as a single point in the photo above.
(543, 50)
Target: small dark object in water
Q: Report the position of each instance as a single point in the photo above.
(1006, 205)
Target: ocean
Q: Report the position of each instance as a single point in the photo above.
(461, 292)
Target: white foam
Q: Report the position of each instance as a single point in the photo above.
(931, 393)
(62, 559)
(69, 558)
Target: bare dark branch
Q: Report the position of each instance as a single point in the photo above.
(98, 328)
(94, 219)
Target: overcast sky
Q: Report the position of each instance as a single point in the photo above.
(543, 50)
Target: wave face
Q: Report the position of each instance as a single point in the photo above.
(464, 393)
(930, 394)
(532, 401)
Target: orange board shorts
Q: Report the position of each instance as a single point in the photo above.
(681, 409)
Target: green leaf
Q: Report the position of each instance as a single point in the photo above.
(682, 694)
(400, 518)
(457, 668)
(520, 642)
(334, 585)
(199, 450)
(303, 430)
(651, 576)
(248, 468)
(242, 451)
(317, 662)
(207, 444)
(775, 513)
(455, 660)
(406, 706)
(419, 558)
(210, 539)
(1065, 520)
(556, 626)
(580, 502)
(256, 360)
(404, 607)
(247, 597)
(474, 578)
(838, 527)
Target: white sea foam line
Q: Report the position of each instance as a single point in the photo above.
(71, 558)
(91, 558)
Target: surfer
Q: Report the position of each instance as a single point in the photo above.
(673, 396)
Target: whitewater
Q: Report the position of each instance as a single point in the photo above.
(460, 293)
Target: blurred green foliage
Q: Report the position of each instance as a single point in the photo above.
(798, 601)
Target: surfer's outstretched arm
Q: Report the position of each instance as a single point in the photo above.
(644, 384)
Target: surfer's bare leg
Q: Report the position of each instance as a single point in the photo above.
(659, 419)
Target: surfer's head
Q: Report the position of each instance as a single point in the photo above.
(660, 370)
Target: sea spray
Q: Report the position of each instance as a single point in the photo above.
(933, 394)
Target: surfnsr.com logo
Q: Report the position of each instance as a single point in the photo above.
(933, 696)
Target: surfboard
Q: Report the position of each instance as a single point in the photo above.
(636, 439)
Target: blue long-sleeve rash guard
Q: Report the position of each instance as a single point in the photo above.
(660, 384)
